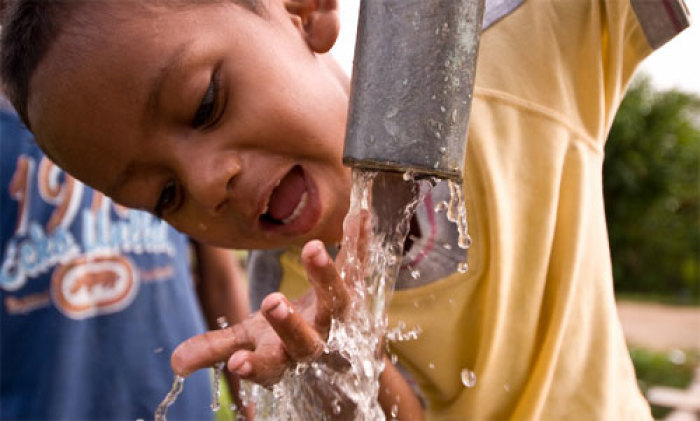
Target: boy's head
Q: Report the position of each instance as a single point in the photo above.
(221, 116)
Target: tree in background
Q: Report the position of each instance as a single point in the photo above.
(652, 192)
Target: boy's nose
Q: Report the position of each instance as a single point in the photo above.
(210, 181)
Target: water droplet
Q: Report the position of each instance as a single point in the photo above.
(447, 246)
(222, 322)
(394, 359)
(431, 366)
(441, 206)
(394, 411)
(463, 267)
(336, 407)
(506, 387)
(468, 378)
(443, 150)
(443, 109)
(464, 241)
(405, 82)
(415, 274)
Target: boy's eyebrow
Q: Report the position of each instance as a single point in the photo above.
(175, 61)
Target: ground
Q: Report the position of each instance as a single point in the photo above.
(660, 327)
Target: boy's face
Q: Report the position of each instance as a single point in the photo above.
(221, 120)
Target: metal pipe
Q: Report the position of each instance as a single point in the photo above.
(412, 83)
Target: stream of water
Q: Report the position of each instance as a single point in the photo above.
(315, 391)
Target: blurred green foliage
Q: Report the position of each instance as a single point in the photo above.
(673, 368)
(652, 192)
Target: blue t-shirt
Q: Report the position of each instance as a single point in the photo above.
(93, 298)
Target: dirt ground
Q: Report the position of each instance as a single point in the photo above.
(660, 327)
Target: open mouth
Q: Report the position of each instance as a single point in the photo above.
(288, 201)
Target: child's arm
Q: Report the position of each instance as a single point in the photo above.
(220, 285)
(396, 396)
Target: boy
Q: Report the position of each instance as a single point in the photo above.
(227, 120)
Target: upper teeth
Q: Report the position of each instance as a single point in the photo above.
(267, 204)
(297, 211)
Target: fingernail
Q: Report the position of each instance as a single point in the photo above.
(321, 257)
(240, 365)
(280, 311)
(245, 369)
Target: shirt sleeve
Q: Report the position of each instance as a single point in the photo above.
(661, 20)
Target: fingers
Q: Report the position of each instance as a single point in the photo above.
(332, 295)
(263, 366)
(357, 232)
(301, 341)
(208, 348)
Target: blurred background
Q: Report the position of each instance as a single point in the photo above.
(652, 195)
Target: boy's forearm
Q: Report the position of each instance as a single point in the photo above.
(221, 286)
(396, 396)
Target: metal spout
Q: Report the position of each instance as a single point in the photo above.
(412, 83)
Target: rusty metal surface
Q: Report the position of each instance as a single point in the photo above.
(412, 84)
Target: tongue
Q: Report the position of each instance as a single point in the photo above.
(287, 195)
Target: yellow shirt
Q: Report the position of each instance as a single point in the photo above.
(534, 318)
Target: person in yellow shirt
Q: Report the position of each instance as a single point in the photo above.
(227, 120)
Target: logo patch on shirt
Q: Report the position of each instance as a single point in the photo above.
(89, 286)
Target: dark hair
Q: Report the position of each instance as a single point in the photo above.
(29, 28)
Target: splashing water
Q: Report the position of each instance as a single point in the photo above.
(218, 370)
(457, 213)
(315, 391)
(170, 398)
(216, 396)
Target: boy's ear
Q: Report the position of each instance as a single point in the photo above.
(317, 20)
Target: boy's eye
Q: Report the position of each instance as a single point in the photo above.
(167, 198)
(207, 110)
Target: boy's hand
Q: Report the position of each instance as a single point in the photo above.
(269, 341)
